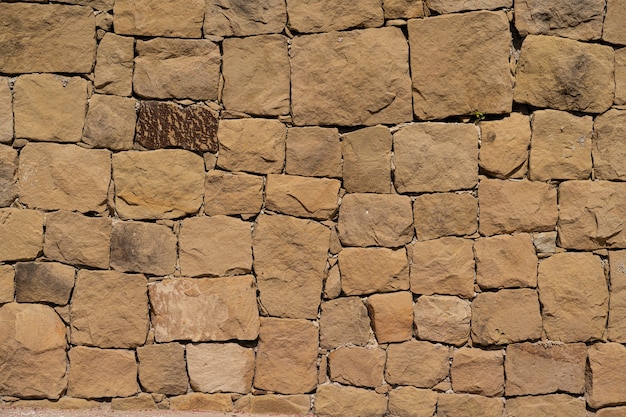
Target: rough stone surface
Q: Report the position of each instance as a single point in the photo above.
(47, 282)
(332, 284)
(140, 402)
(337, 401)
(504, 146)
(63, 403)
(620, 76)
(442, 319)
(476, 371)
(367, 160)
(328, 15)
(557, 405)
(582, 21)
(370, 270)
(612, 412)
(242, 18)
(21, 234)
(322, 86)
(8, 177)
(613, 29)
(608, 151)
(162, 368)
(420, 364)
(232, 193)
(6, 111)
(506, 261)
(110, 122)
(412, 402)
(607, 362)
(196, 401)
(113, 73)
(445, 214)
(357, 366)
(403, 9)
(220, 367)
(617, 302)
(452, 6)
(7, 283)
(344, 321)
(465, 405)
(313, 152)
(159, 18)
(315, 198)
(270, 404)
(392, 316)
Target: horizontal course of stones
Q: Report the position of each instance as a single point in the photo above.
(343, 208)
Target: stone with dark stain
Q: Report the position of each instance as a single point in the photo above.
(47, 282)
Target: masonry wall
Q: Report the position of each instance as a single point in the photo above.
(340, 208)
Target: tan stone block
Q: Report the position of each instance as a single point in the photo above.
(420, 364)
(75, 239)
(443, 266)
(252, 145)
(162, 368)
(540, 17)
(46, 38)
(565, 74)
(32, 351)
(166, 183)
(476, 371)
(286, 360)
(110, 122)
(177, 68)
(344, 320)
(516, 206)
(103, 5)
(358, 366)
(159, 18)
(290, 263)
(47, 282)
(504, 146)
(375, 220)
(620, 76)
(392, 316)
(606, 370)
(557, 405)
(21, 234)
(616, 328)
(6, 111)
(324, 89)
(538, 368)
(506, 261)
(142, 401)
(113, 73)
(608, 151)
(613, 30)
(403, 9)
(506, 316)
(242, 18)
(367, 160)
(612, 412)
(332, 284)
(443, 319)
(370, 270)
(446, 83)
(224, 367)
(63, 403)
(7, 283)
(412, 402)
(271, 404)
(313, 152)
(196, 401)
(316, 198)
(432, 157)
(445, 214)
(465, 405)
(328, 15)
(337, 401)
(46, 183)
(452, 6)
(545, 242)
(8, 177)
(617, 263)
(574, 297)
(232, 193)
(229, 309)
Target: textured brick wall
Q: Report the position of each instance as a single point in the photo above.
(347, 208)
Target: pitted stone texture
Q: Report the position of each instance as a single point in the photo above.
(101, 373)
(159, 18)
(609, 153)
(557, 405)
(561, 146)
(412, 402)
(21, 234)
(443, 319)
(252, 145)
(256, 75)
(50, 107)
(565, 74)
(613, 29)
(367, 160)
(443, 266)
(316, 198)
(431, 157)
(504, 146)
(313, 152)
(8, 177)
(224, 367)
(447, 64)
(357, 366)
(162, 368)
(574, 297)
(506, 261)
(141, 402)
(344, 321)
(46, 183)
(47, 282)
(328, 15)
(244, 18)
(371, 270)
(177, 68)
(617, 302)
(113, 73)
(298, 404)
(204, 309)
(352, 78)
(476, 371)
(143, 247)
(403, 9)
(537, 368)
(46, 38)
(466, 405)
(196, 401)
(6, 111)
(516, 206)
(166, 183)
(582, 21)
(32, 351)
(420, 364)
(392, 316)
(445, 214)
(7, 283)
(75, 239)
(109, 309)
(286, 360)
(232, 193)
(110, 122)
(605, 382)
(452, 6)
(506, 316)
(620, 76)
(375, 220)
(337, 401)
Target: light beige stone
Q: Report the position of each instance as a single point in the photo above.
(574, 297)
(7, 283)
(476, 371)
(620, 76)
(557, 405)
(226, 367)
(506, 261)
(113, 73)
(110, 122)
(403, 9)
(420, 364)
(142, 401)
(328, 67)
(159, 18)
(357, 366)
(162, 368)
(232, 193)
(337, 401)
(243, 18)
(328, 15)
(504, 146)
(37, 282)
(228, 306)
(313, 152)
(452, 6)
(539, 17)
(63, 403)
(392, 316)
(344, 321)
(371, 270)
(6, 111)
(412, 402)
(21, 234)
(8, 177)
(316, 198)
(444, 319)
(445, 214)
(545, 242)
(367, 160)
(270, 404)
(465, 405)
(612, 412)
(196, 401)
(613, 29)
(607, 362)
(608, 152)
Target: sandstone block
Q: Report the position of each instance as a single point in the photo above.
(565, 74)
(337, 401)
(344, 320)
(290, 261)
(271, 404)
(557, 405)
(617, 317)
(110, 122)
(313, 152)
(392, 316)
(443, 319)
(252, 145)
(617, 263)
(476, 371)
(196, 401)
(224, 367)
(32, 351)
(420, 364)
(504, 146)
(232, 193)
(47, 282)
(608, 152)
(8, 177)
(612, 412)
(228, 309)
(613, 29)
(452, 6)
(370, 270)
(620, 76)
(6, 111)
(412, 402)
(286, 360)
(447, 64)
(403, 9)
(99, 373)
(142, 401)
(375, 60)
(21, 234)
(574, 297)
(332, 284)
(113, 73)
(242, 18)
(375, 220)
(445, 214)
(545, 242)
(465, 405)
(166, 183)
(506, 316)
(162, 368)
(367, 160)
(506, 261)
(540, 17)
(516, 206)
(358, 366)
(46, 38)
(315, 198)
(443, 266)
(7, 284)
(607, 362)
(327, 15)
(159, 18)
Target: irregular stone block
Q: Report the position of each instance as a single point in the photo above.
(607, 362)
(375, 61)
(613, 30)
(565, 74)
(6, 111)
(162, 368)
(608, 151)
(21, 234)
(140, 402)
(8, 177)
(328, 15)
(545, 242)
(504, 146)
(196, 401)
(371, 270)
(228, 309)
(452, 6)
(412, 402)
(367, 160)
(392, 316)
(432, 157)
(344, 321)
(47, 282)
(110, 122)
(620, 76)
(445, 214)
(232, 193)
(612, 412)
(271, 404)
(46, 38)
(337, 401)
(358, 366)
(403, 9)
(557, 405)
(447, 64)
(582, 21)
(113, 73)
(243, 18)
(313, 152)
(159, 18)
(7, 283)
(220, 367)
(442, 319)
(420, 364)
(465, 405)
(476, 371)
(506, 261)
(316, 198)
(574, 297)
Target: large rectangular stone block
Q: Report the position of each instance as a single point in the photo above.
(316, 198)
(581, 20)
(370, 270)
(416, 363)
(328, 15)
(21, 234)
(244, 18)
(214, 367)
(159, 18)
(609, 152)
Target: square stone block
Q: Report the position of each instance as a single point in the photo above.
(357, 366)
(159, 18)
(232, 193)
(344, 321)
(445, 214)
(367, 160)
(226, 367)
(316, 198)
(313, 152)
(504, 146)
(244, 18)
(506, 261)
(607, 366)
(21, 234)
(609, 152)
(110, 122)
(476, 371)
(420, 364)
(392, 316)
(442, 318)
(162, 368)
(371, 270)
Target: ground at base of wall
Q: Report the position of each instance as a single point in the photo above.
(38, 412)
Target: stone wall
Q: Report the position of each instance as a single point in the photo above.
(347, 208)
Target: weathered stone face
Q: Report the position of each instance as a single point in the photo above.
(504, 146)
(343, 321)
(243, 18)
(367, 160)
(357, 366)
(220, 367)
(110, 122)
(232, 193)
(142, 401)
(608, 151)
(613, 29)
(370, 270)
(328, 15)
(607, 362)
(7, 284)
(582, 21)
(452, 6)
(412, 402)
(196, 401)
(617, 302)
(445, 214)
(476, 371)
(620, 76)
(556, 405)
(420, 364)
(113, 73)
(8, 178)
(162, 368)
(313, 152)
(21, 234)
(465, 405)
(335, 401)
(159, 18)
(403, 9)
(269, 403)
(6, 111)
(442, 319)
(392, 316)
(47, 282)
(315, 198)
